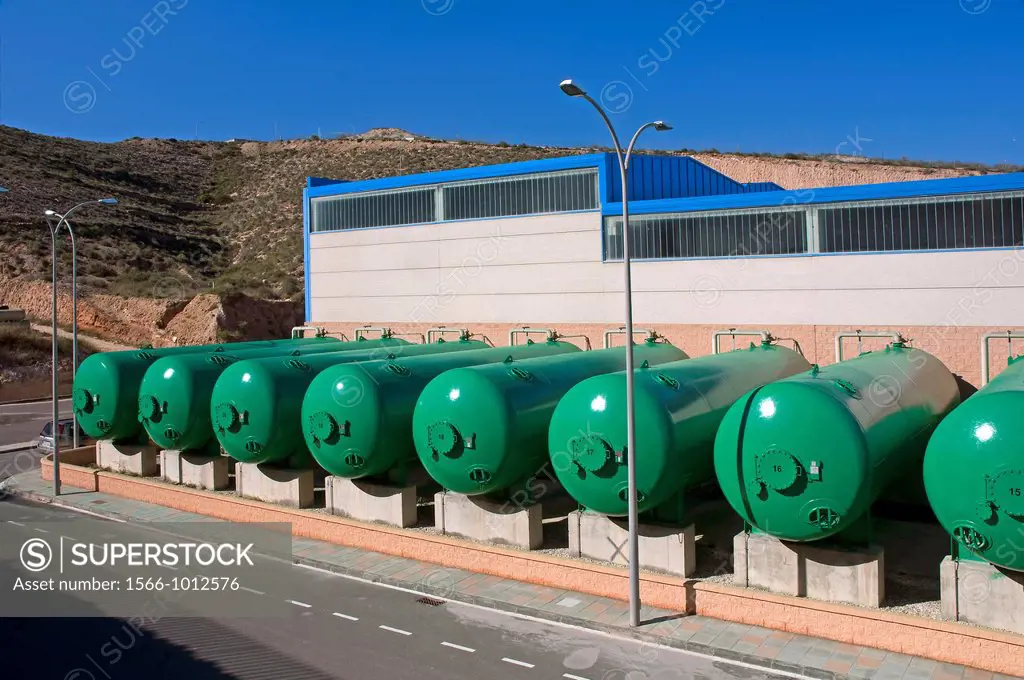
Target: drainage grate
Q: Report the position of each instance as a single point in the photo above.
(430, 601)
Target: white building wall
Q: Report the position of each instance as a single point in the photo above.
(548, 269)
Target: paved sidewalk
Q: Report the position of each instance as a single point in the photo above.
(762, 647)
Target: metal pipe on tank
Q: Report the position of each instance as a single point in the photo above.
(441, 331)
(384, 332)
(300, 331)
(895, 336)
(586, 341)
(527, 331)
(621, 330)
(986, 365)
(736, 332)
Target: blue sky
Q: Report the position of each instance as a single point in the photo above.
(925, 79)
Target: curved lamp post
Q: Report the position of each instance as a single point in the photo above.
(54, 230)
(573, 90)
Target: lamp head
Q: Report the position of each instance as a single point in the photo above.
(571, 88)
(108, 201)
(51, 213)
(661, 126)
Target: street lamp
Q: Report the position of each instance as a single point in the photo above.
(54, 230)
(573, 90)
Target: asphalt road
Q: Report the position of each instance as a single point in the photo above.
(23, 422)
(324, 626)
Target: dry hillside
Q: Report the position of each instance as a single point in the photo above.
(224, 218)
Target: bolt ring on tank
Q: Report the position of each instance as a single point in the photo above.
(149, 407)
(591, 452)
(323, 426)
(227, 416)
(443, 438)
(82, 400)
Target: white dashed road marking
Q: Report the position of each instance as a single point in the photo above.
(570, 676)
(395, 630)
(455, 646)
(42, 531)
(252, 590)
(299, 604)
(345, 616)
(17, 524)
(516, 662)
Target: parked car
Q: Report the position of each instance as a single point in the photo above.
(64, 425)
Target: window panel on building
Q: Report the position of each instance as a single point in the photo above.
(654, 237)
(947, 223)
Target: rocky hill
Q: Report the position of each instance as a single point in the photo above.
(222, 219)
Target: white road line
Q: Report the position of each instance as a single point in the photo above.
(455, 646)
(516, 662)
(300, 604)
(395, 630)
(17, 524)
(252, 590)
(42, 531)
(573, 677)
(170, 567)
(345, 616)
(567, 626)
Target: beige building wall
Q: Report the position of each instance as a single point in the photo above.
(547, 270)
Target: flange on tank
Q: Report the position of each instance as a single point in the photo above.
(256, 404)
(974, 471)
(803, 458)
(106, 389)
(357, 418)
(483, 429)
(678, 408)
(174, 397)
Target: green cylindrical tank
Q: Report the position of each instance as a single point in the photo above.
(256, 404)
(357, 419)
(174, 397)
(803, 458)
(484, 429)
(678, 408)
(106, 389)
(974, 471)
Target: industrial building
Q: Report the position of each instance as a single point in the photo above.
(539, 243)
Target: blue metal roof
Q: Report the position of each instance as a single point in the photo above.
(594, 160)
(751, 187)
(862, 192)
(652, 177)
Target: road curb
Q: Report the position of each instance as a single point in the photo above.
(43, 400)
(445, 594)
(12, 448)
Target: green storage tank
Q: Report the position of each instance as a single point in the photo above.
(256, 404)
(357, 419)
(174, 397)
(805, 457)
(678, 408)
(484, 429)
(974, 471)
(106, 390)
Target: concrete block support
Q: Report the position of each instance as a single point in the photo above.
(134, 459)
(809, 570)
(482, 519)
(394, 505)
(201, 472)
(666, 549)
(282, 486)
(980, 593)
